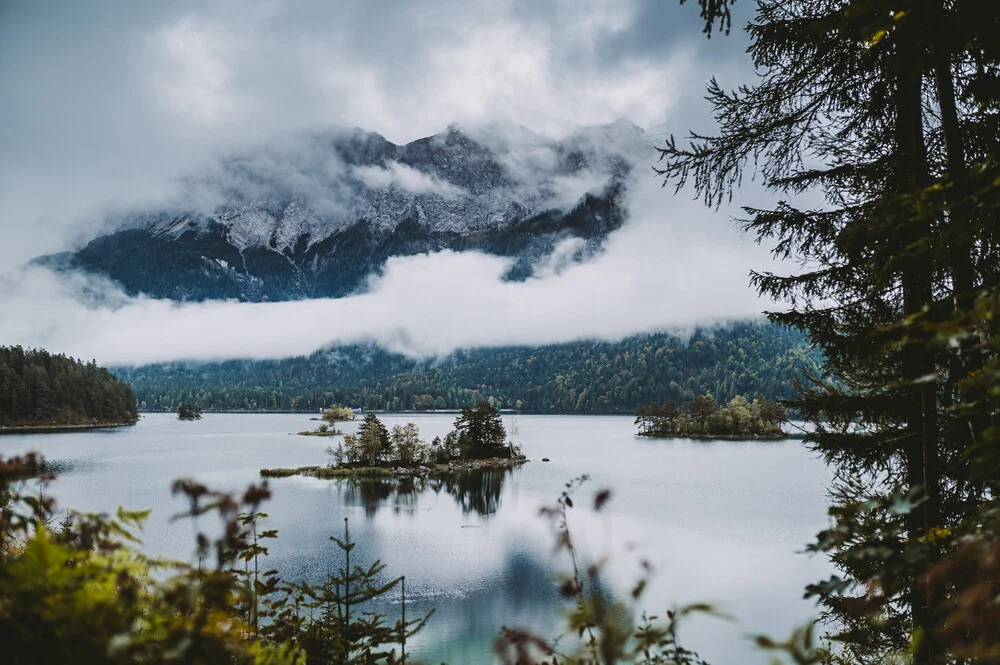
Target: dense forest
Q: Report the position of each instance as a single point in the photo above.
(578, 377)
(39, 388)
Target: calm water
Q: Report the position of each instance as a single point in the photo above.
(721, 522)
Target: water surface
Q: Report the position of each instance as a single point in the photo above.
(722, 522)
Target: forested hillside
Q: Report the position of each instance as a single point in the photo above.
(39, 388)
(579, 377)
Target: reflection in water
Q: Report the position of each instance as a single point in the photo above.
(474, 491)
(374, 493)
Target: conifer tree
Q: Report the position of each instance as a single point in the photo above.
(346, 630)
(889, 110)
(479, 432)
(373, 430)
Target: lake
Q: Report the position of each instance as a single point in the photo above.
(721, 522)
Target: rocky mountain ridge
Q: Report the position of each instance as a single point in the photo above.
(317, 215)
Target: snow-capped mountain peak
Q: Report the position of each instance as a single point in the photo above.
(316, 213)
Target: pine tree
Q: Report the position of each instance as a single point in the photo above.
(888, 109)
(376, 438)
(480, 432)
(344, 631)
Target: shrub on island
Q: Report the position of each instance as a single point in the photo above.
(337, 413)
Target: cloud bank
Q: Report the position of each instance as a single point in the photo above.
(406, 178)
(107, 103)
(658, 272)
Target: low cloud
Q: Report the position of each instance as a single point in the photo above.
(674, 265)
(406, 178)
(566, 191)
(159, 91)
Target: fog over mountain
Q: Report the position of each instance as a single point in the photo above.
(315, 215)
(259, 180)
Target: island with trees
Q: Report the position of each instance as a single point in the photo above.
(478, 441)
(188, 411)
(703, 418)
(46, 392)
(330, 418)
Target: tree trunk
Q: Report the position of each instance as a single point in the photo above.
(918, 359)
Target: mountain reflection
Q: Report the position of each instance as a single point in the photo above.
(476, 492)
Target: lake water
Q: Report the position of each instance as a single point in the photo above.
(721, 522)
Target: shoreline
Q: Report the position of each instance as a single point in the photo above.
(375, 472)
(56, 429)
(723, 437)
(505, 412)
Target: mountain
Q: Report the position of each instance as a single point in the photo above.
(578, 377)
(316, 215)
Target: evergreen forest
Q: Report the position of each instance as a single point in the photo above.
(38, 388)
(578, 377)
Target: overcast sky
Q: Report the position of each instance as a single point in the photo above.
(106, 103)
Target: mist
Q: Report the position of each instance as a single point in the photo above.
(107, 118)
(672, 266)
(100, 125)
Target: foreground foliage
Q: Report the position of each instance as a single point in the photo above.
(40, 388)
(608, 629)
(79, 591)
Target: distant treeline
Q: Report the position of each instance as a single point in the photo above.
(39, 388)
(579, 377)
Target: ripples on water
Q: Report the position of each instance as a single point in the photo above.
(721, 521)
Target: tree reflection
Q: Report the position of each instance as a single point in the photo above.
(474, 491)
(477, 491)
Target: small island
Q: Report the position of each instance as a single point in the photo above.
(703, 418)
(189, 411)
(478, 441)
(331, 416)
(45, 392)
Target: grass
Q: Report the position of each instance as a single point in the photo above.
(285, 473)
